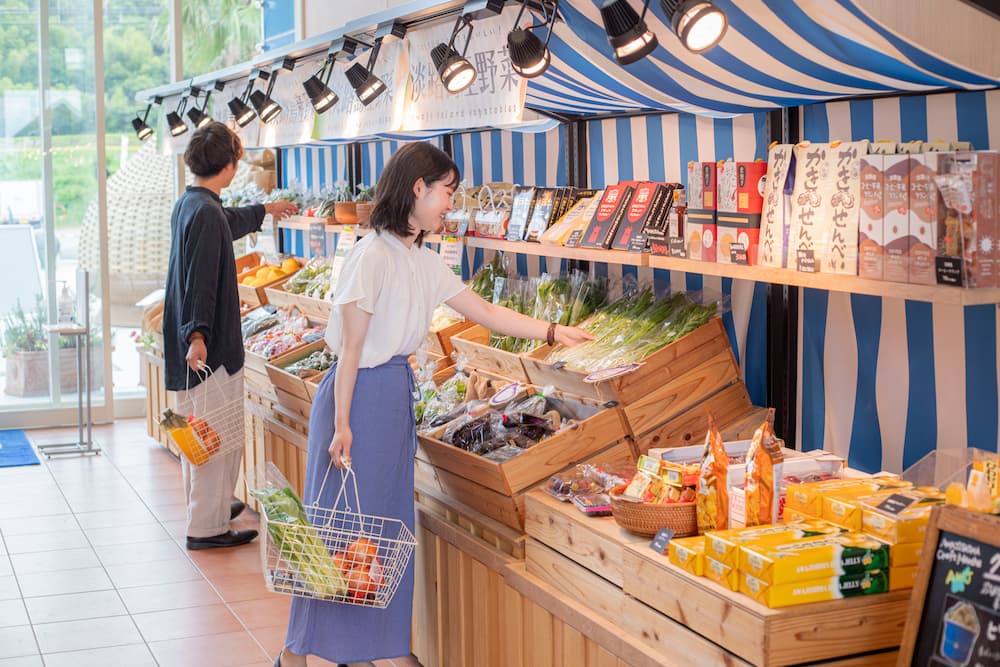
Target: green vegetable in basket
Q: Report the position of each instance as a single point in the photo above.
(299, 543)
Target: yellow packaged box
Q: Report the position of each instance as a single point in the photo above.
(722, 574)
(688, 553)
(844, 508)
(807, 497)
(901, 578)
(813, 558)
(814, 590)
(902, 555)
(724, 545)
(793, 516)
(902, 517)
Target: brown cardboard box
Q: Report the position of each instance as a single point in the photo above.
(871, 239)
(896, 223)
(927, 215)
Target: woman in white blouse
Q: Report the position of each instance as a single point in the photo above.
(363, 412)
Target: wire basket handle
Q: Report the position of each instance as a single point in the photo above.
(202, 368)
(345, 473)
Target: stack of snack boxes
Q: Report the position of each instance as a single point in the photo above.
(841, 538)
(740, 190)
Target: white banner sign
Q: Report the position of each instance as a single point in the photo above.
(220, 112)
(496, 97)
(349, 118)
(295, 123)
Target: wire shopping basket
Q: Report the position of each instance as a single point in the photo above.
(339, 555)
(210, 433)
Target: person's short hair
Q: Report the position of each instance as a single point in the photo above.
(211, 149)
(394, 197)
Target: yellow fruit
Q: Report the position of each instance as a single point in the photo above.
(289, 266)
(246, 280)
(954, 494)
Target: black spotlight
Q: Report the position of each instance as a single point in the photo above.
(176, 125)
(699, 24)
(320, 95)
(267, 109)
(529, 56)
(241, 112)
(366, 85)
(142, 130)
(198, 117)
(455, 71)
(627, 32)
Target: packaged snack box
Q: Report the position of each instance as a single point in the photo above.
(722, 574)
(777, 207)
(699, 233)
(750, 181)
(901, 578)
(896, 224)
(816, 590)
(871, 237)
(793, 516)
(688, 553)
(813, 558)
(724, 545)
(905, 555)
(902, 516)
(808, 497)
(844, 508)
(927, 215)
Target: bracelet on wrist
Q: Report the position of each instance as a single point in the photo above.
(550, 335)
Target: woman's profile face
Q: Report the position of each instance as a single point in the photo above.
(430, 204)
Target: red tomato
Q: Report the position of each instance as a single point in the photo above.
(361, 552)
(359, 583)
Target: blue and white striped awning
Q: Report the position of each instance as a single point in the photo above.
(776, 53)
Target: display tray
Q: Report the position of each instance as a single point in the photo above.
(651, 382)
(440, 340)
(497, 489)
(474, 345)
(654, 589)
(257, 296)
(312, 308)
(289, 383)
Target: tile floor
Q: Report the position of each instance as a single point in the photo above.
(93, 570)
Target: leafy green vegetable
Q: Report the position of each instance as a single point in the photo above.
(299, 543)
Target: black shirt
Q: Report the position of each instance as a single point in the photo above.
(201, 292)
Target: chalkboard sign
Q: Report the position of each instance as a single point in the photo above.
(317, 239)
(954, 616)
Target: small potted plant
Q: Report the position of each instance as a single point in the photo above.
(365, 204)
(345, 209)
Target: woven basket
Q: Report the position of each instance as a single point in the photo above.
(647, 519)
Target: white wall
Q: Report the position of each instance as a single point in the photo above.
(318, 16)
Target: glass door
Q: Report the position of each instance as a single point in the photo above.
(51, 173)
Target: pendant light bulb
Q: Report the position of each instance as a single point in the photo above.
(267, 109)
(142, 130)
(528, 55)
(628, 33)
(241, 112)
(699, 24)
(456, 72)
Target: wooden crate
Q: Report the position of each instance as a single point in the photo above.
(257, 408)
(765, 637)
(286, 445)
(158, 398)
(256, 296)
(289, 382)
(730, 407)
(318, 309)
(508, 507)
(474, 344)
(248, 261)
(440, 340)
(658, 370)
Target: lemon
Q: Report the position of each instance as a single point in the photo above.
(954, 494)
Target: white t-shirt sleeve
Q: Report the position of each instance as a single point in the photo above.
(361, 280)
(445, 283)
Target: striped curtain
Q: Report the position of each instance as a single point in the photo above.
(314, 167)
(885, 381)
(492, 156)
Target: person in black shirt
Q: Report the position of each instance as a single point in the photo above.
(203, 344)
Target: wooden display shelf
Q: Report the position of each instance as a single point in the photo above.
(787, 636)
(832, 282)
(586, 254)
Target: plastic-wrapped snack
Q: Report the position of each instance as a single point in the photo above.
(610, 475)
(713, 497)
(764, 473)
(574, 481)
(593, 504)
(502, 454)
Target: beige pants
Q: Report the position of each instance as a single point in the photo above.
(208, 488)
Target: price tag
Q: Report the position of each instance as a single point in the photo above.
(738, 253)
(806, 261)
(345, 241)
(677, 247)
(896, 503)
(317, 239)
(949, 270)
(661, 541)
(574, 238)
(506, 395)
(451, 253)
(514, 232)
(637, 243)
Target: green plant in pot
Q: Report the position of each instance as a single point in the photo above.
(345, 209)
(364, 204)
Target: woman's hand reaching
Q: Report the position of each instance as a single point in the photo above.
(570, 336)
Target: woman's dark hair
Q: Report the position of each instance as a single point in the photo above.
(211, 149)
(394, 196)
